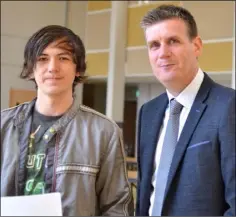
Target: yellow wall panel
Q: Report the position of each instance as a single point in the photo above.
(97, 64)
(98, 5)
(217, 57)
(98, 31)
(138, 62)
(213, 26)
(135, 35)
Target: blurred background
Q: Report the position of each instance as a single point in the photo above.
(120, 78)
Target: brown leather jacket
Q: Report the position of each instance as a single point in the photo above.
(87, 164)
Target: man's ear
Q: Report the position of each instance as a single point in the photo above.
(197, 42)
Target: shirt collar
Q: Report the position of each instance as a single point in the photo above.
(187, 96)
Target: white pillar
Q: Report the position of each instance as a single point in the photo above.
(116, 69)
(79, 93)
(76, 13)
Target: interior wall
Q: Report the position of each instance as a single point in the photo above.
(19, 20)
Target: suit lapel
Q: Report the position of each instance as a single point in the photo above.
(192, 121)
(156, 123)
(152, 117)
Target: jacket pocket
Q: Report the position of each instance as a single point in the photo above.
(77, 185)
(198, 144)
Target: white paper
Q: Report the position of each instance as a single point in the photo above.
(33, 205)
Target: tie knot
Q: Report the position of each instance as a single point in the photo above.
(175, 107)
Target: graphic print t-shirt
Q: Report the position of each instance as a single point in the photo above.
(37, 153)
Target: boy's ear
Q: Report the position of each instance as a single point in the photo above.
(31, 76)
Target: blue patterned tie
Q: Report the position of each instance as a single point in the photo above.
(170, 141)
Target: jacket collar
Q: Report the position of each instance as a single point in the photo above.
(27, 110)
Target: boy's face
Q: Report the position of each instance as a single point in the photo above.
(55, 70)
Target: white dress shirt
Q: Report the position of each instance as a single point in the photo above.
(186, 98)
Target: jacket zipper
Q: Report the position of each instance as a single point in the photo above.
(55, 164)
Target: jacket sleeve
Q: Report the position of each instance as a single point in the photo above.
(228, 155)
(114, 191)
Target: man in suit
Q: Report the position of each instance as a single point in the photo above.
(186, 154)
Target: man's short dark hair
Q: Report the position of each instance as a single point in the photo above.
(47, 35)
(166, 12)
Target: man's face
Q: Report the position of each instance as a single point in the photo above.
(172, 54)
(55, 70)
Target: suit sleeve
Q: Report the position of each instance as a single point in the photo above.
(228, 156)
(137, 210)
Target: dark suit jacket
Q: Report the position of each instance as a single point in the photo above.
(201, 180)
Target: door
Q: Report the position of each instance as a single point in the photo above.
(18, 96)
(129, 127)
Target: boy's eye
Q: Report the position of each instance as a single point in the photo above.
(64, 58)
(41, 59)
